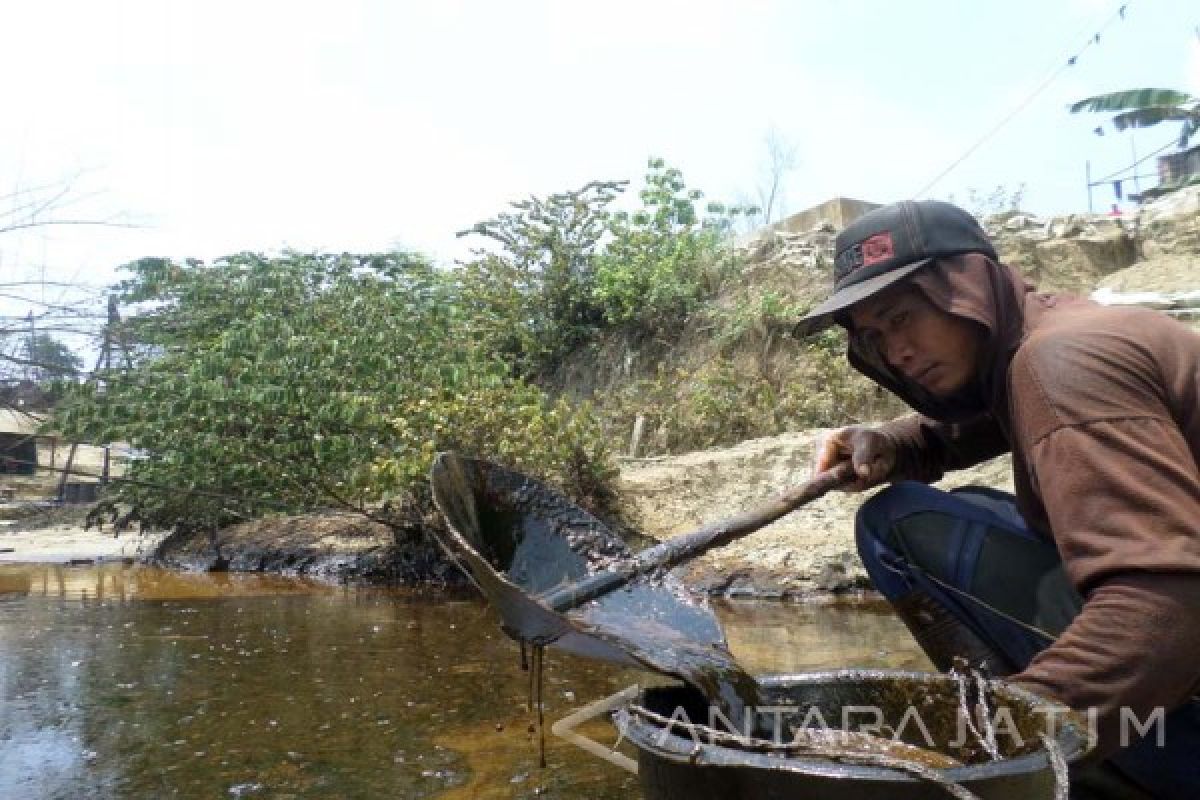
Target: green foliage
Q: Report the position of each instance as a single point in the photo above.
(308, 380)
(258, 384)
(747, 391)
(566, 267)
(760, 314)
(533, 297)
(1143, 108)
(666, 257)
(53, 357)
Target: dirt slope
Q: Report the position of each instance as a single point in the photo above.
(810, 550)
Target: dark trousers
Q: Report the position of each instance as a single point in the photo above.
(972, 553)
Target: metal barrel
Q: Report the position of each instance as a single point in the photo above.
(677, 762)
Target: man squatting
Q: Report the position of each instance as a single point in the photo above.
(1084, 587)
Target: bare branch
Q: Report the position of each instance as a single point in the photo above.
(60, 222)
(780, 160)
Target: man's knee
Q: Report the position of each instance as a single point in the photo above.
(877, 517)
(875, 534)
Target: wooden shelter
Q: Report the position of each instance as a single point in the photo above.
(19, 440)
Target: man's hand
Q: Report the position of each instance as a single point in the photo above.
(872, 454)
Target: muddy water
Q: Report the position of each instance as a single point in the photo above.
(124, 682)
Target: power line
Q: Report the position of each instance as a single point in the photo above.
(1070, 62)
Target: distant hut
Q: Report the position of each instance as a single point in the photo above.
(18, 442)
(1175, 171)
(1180, 169)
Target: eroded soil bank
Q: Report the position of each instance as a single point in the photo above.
(810, 552)
(332, 545)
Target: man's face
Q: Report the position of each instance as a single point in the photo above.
(936, 350)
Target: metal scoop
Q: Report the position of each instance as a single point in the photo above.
(535, 556)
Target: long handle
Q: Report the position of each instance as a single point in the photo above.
(687, 546)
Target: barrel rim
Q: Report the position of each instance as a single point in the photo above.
(1074, 745)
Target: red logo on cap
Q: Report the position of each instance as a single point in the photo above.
(878, 248)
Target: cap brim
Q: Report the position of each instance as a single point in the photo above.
(822, 316)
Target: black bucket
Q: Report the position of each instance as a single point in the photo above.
(678, 761)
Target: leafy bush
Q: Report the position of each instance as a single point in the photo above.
(564, 268)
(308, 380)
(666, 257)
(531, 299)
(256, 384)
(762, 315)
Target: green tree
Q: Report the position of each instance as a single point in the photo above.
(532, 295)
(50, 357)
(302, 381)
(664, 257)
(568, 266)
(1143, 108)
(37, 357)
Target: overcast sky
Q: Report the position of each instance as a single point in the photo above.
(220, 126)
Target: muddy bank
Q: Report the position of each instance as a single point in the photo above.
(808, 553)
(332, 545)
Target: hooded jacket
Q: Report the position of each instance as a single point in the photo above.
(1100, 408)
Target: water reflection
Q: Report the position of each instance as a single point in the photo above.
(117, 581)
(125, 682)
(131, 683)
(801, 637)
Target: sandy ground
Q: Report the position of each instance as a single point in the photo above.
(59, 537)
(1176, 273)
(810, 550)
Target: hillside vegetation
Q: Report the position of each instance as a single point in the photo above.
(587, 323)
(279, 383)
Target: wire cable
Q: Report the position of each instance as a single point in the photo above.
(1070, 62)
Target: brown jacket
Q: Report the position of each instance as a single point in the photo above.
(1100, 408)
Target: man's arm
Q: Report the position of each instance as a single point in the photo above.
(1129, 657)
(1123, 501)
(926, 449)
(1121, 489)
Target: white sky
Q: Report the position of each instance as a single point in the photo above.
(220, 126)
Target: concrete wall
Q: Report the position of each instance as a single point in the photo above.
(839, 212)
